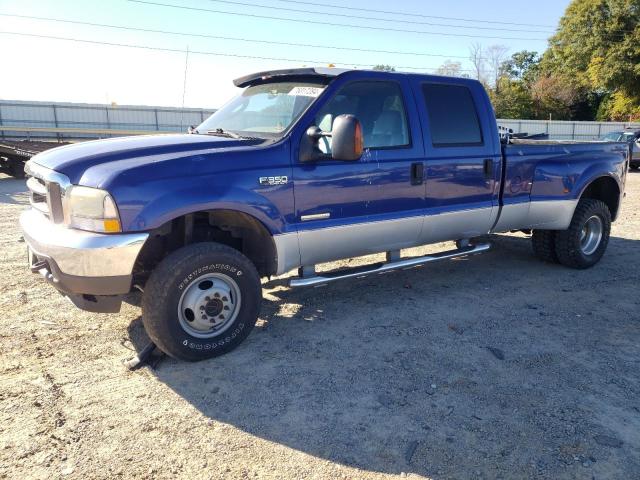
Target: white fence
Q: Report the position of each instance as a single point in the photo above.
(561, 130)
(64, 118)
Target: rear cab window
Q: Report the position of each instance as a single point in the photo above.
(452, 114)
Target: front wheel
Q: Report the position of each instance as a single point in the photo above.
(201, 301)
(585, 241)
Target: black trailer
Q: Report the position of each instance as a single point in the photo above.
(14, 154)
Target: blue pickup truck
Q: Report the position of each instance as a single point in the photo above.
(305, 166)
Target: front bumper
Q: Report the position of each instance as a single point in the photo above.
(80, 264)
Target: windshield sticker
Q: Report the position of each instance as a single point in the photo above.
(306, 91)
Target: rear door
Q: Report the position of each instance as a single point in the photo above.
(463, 159)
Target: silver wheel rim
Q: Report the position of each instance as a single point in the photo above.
(209, 305)
(591, 235)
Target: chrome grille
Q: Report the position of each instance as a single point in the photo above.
(38, 194)
(46, 189)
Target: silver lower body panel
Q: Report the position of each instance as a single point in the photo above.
(335, 243)
(310, 247)
(547, 215)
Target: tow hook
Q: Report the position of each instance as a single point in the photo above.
(39, 265)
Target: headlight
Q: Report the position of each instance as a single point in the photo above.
(91, 209)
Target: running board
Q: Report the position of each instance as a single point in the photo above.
(378, 268)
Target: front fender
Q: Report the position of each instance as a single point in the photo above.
(176, 198)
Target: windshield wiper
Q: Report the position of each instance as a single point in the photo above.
(223, 133)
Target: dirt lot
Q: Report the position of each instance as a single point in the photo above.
(497, 366)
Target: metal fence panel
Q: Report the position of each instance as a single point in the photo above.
(564, 130)
(16, 113)
(180, 120)
(131, 119)
(28, 115)
(80, 117)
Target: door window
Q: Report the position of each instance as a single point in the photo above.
(453, 119)
(378, 106)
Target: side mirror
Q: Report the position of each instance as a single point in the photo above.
(347, 142)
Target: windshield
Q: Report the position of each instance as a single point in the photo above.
(612, 137)
(264, 111)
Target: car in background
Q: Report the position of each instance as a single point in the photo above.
(632, 137)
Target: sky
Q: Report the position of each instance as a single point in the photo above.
(35, 67)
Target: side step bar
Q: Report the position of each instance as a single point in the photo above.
(378, 268)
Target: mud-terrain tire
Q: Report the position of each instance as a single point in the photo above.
(201, 301)
(585, 241)
(544, 245)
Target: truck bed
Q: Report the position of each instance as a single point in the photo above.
(543, 180)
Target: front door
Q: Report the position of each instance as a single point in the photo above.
(346, 209)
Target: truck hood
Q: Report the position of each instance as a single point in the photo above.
(85, 162)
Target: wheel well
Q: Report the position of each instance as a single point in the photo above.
(605, 189)
(235, 229)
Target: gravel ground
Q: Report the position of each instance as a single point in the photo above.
(495, 366)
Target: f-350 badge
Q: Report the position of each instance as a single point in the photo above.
(279, 180)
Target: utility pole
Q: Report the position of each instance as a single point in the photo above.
(184, 87)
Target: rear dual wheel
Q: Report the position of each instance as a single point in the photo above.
(583, 244)
(544, 245)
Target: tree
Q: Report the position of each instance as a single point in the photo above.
(476, 56)
(495, 57)
(524, 66)
(384, 68)
(597, 50)
(619, 106)
(513, 100)
(512, 94)
(553, 95)
(450, 69)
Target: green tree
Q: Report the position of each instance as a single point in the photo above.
(512, 99)
(524, 66)
(596, 50)
(554, 97)
(512, 93)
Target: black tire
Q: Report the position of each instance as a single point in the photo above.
(568, 242)
(178, 273)
(634, 167)
(544, 245)
(16, 168)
